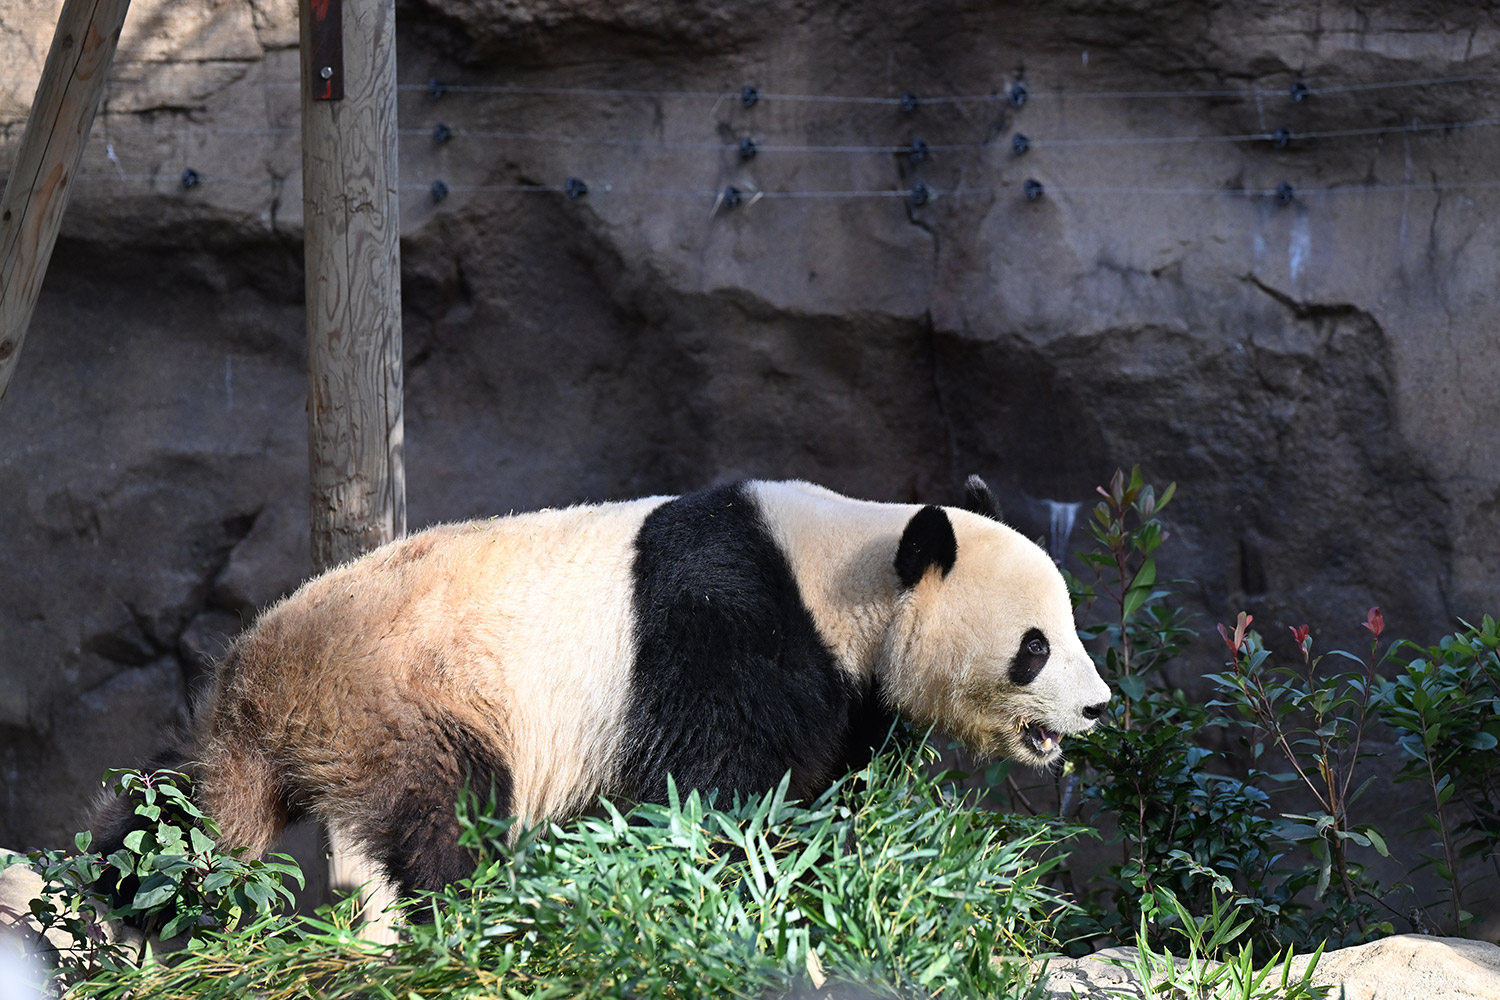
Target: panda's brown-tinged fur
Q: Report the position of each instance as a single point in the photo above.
(723, 637)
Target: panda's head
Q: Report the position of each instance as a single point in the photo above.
(983, 642)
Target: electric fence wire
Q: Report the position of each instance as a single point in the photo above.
(1004, 95)
(919, 194)
(436, 88)
(773, 195)
(1281, 137)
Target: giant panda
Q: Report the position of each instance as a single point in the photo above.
(725, 637)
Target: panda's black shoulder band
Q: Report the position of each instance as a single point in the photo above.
(928, 542)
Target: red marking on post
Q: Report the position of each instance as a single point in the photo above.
(325, 50)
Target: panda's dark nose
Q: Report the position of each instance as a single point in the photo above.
(1094, 711)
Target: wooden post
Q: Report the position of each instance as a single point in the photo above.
(57, 131)
(351, 220)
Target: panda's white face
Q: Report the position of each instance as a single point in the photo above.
(989, 651)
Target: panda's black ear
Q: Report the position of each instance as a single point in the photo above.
(926, 543)
(980, 499)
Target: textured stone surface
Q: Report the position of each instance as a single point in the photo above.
(1405, 965)
(19, 885)
(1410, 965)
(1318, 377)
(25, 949)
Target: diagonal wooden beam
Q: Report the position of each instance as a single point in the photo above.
(52, 146)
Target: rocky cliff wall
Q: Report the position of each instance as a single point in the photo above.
(1318, 375)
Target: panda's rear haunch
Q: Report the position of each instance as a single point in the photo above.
(724, 637)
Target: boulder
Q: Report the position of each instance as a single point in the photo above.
(1404, 965)
(25, 948)
(1414, 965)
(1105, 973)
(19, 885)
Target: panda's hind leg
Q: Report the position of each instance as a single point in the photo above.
(407, 823)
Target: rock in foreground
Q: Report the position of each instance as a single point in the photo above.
(1402, 967)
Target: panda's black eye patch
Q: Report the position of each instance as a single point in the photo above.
(1030, 658)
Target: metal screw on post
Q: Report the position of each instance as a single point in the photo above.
(921, 194)
(575, 188)
(326, 73)
(1019, 144)
(190, 178)
(1032, 189)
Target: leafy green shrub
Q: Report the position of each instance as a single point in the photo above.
(1316, 720)
(1207, 967)
(179, 882)
(890, 881)
(1139, 631)
(1153, 782)
(1445, 708)
(1166, 805)
(1144, 778)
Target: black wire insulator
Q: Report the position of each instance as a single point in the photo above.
(1299, 91)
(441, 134)
(575, 187)
(1285, 193)
(1281, 137)
(909, 102)
(748, 148)
(919, 150)
(436, 88)
(438, 191)
(732, 196)
(1019, 144)
(1032, 189)
(190, 178)
(921, 194)
(748, 96)
(1018, 93)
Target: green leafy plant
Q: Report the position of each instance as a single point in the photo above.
(1317, 721)
(892, 883)
(1207, 968)
(1146, 779)
(1151, 782)
(178, 881)
(1140, 630)
(1168, 805)
(1445, 708)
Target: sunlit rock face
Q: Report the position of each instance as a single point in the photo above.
(1316, 372)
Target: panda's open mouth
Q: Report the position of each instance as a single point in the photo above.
(1044, 741)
